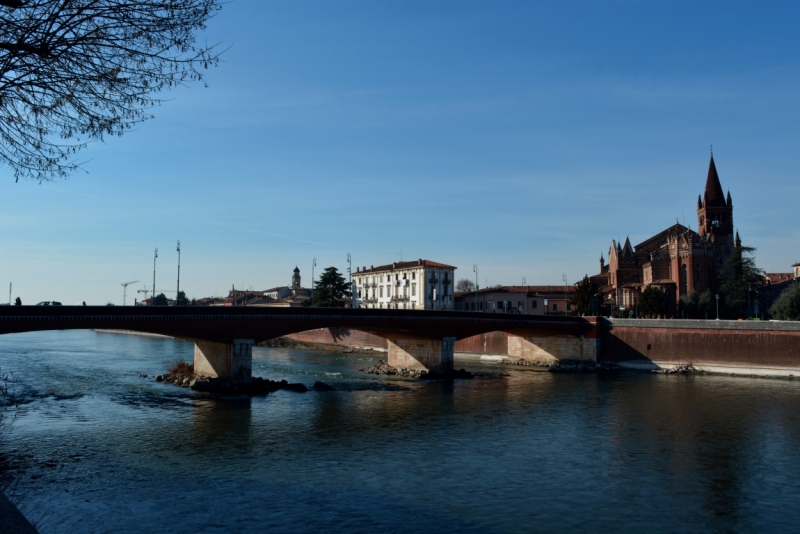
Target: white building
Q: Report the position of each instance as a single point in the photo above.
(406, 285)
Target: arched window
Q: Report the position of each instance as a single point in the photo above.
(684, 279)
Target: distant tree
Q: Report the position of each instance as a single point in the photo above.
(331, 291)
(695, 305)
(736, 282)
(74, 71)
(653, 302)
(585, 297)
(181, 299)
(193, 303)
(465, 285)
(160, 300)
(787, 306)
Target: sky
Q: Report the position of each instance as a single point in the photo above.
(521, 137)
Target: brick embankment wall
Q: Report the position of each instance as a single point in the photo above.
(749, 347)
(341, 336)
(491, 343)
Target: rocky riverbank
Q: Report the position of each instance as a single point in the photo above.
(564, 367)
(383, 368)
(685, 369)
(182, 374)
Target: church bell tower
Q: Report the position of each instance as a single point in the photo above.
(296, 278)
(715, 217)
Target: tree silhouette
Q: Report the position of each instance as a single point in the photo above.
(787, 306)
(586, 296)
(465, 285)
(736, 280)
(75, 71)
(654, 302)
(331, 291)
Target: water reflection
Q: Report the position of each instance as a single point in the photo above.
(226, 419)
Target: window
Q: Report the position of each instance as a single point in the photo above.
(499, 304)
(569, 306)
(414, 275)
(555, 307)
(413, 290)
(520, 305)
(534, 304)
(381, 291)
(508, 304)
(480, 306)
(696, 276)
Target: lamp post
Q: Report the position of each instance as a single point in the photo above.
(717, 296)
(564, 277)
(350, 276)
(749, 289)
(474, 268)
(155, 257)
(313, 264)
(178, 293)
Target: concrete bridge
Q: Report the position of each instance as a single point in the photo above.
(224, 336)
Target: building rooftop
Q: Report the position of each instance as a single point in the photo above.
(403, 265)
(558, 290)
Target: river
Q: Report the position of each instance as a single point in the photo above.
(96, 448)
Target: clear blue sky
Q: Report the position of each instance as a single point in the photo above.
(521, 136)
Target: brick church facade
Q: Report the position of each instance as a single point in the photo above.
(677, 260)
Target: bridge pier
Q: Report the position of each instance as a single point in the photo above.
(548, 349)
(232, 362)
(422, 354)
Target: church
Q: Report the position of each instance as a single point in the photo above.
(677, 260)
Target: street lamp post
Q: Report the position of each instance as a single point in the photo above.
(564, 277)
(155, 257)
(178, 293)
(350, 276)
(475, 269)
(749, 289)
(313, 264)
(717, 296)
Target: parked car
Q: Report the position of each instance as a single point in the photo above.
(49, 303)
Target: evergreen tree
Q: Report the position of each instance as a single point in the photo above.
(653, 302)
(586, 297)
(695, 305)
(181, 299)
(160, 300)
(331, 291)
(736, 281)
(787, 306)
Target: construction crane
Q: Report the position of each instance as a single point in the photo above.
(148, 291)
(125, 290)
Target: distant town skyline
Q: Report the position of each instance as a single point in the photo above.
(519, 137)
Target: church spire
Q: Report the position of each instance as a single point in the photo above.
(738, 242)
(713, 194)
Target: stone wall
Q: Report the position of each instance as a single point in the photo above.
(549, 349)
(742, 347)
(341, 336)
(494, 343)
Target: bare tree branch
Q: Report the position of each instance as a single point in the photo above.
(74, 71)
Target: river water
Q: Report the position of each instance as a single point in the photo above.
(97, 448)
